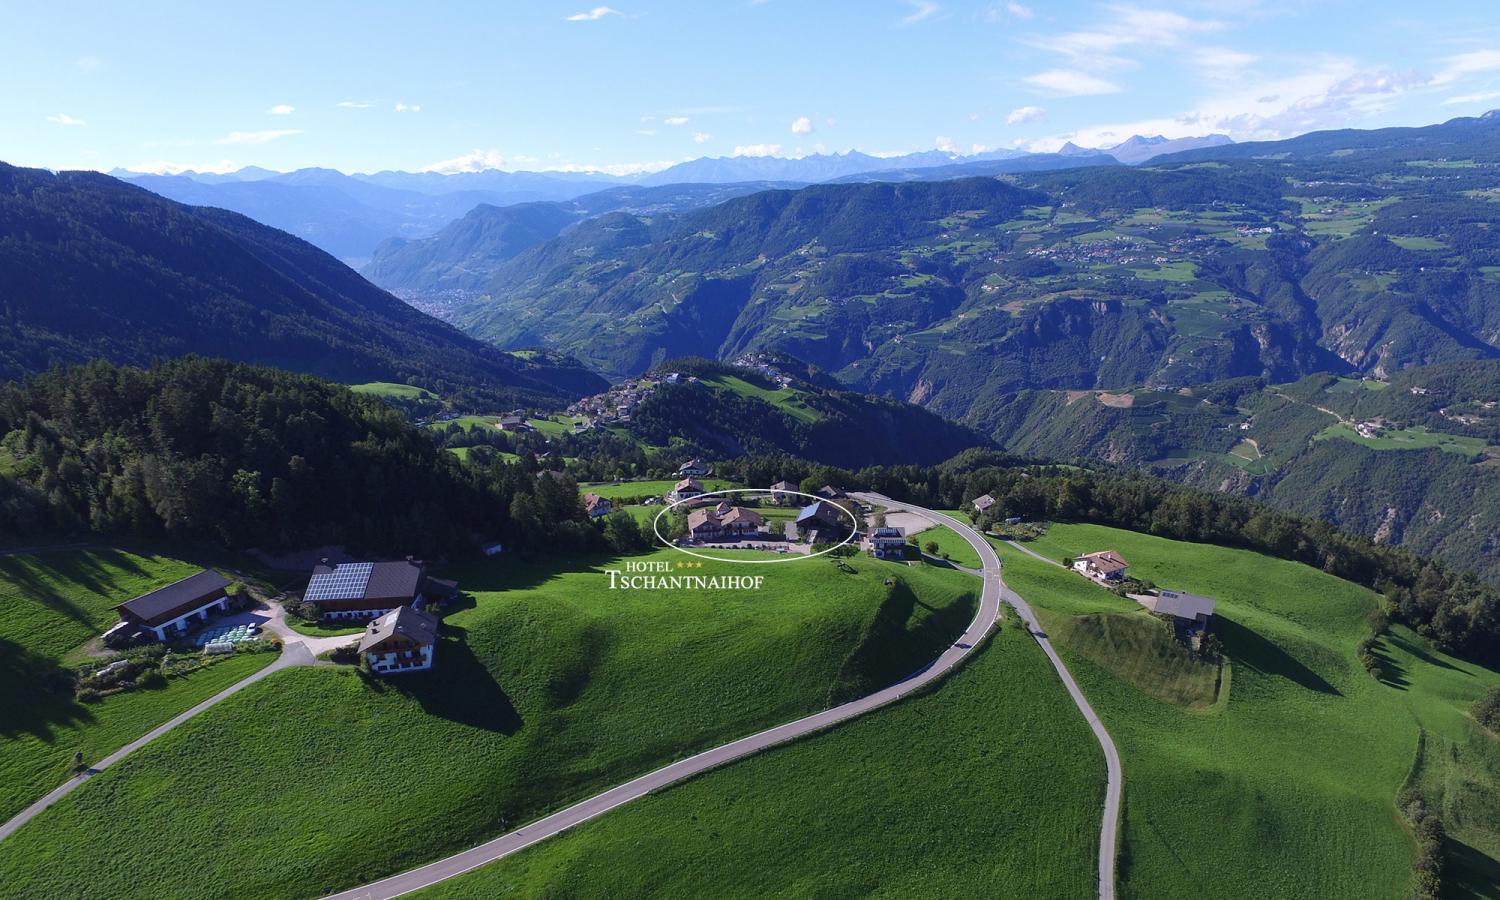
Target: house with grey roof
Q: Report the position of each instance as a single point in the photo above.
(364, 590)
(402, 640)
(178, 607)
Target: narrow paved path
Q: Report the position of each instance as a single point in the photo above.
(1035, 555)
(292, 654)
(993, 591)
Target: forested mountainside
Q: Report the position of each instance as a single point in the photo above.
(1415, 460)
(946, 292)
(91, 267)
(203, 450)
(463, 256)
(731, 411)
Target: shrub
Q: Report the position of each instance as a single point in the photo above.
(1486, 709)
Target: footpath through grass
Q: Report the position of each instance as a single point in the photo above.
(36, 749)
(1285, 786)
(51, 604)
(947, 794)
(550, 688)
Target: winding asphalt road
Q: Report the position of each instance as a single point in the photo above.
(986, 617)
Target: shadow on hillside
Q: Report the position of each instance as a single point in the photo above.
(1391, 673)
(36, 694)
(457, 688)
(1248, 648)
(93, 571)
(892, 650)
(1470, 873)
(1421, 653)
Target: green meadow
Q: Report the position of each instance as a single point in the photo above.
(1282, 783)
(393, 390)
(946, 794)
(1414, 438)
(787, 400)
(50, 605)
(548, 688)
(634, 489)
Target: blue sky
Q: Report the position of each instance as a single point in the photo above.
(641, 84)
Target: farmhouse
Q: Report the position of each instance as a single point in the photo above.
(686, 489)
(179, 606)
(1190, 611)
(693, 468)
(982, 504)
(402, 640)
(784, 492)
(718, 524)
(596, 505)
(829, 492)
(365, 590)
(888, 542)
(823, 521)
(1105, 565)
(512, 423)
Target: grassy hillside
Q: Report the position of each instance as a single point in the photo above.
(96, 268)
(50, 604)
(549, 688)
(57, 600)
(1285, 785)
(929, 798)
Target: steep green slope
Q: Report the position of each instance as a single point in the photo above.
(1414, 461)
(1286, 785)
(549, 687)
(943, 792)
(94, 267)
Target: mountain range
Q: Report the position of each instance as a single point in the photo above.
(350, 215)
(96, 268)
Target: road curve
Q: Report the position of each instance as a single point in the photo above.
(511, 842)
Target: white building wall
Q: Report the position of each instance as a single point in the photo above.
(194, 617)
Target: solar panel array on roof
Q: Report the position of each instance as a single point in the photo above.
(345, 582)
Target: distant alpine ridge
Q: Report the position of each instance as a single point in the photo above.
(350, 215)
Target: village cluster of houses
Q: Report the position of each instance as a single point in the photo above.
(761, 363)
(394, 597)
(619, 402)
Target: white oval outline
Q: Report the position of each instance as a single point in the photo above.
(791, 558)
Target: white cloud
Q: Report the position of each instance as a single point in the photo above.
(1071, 83)
(637, 168)
(408, 107)
(1019, 11)
(945, 144)
(920, 9)
(676, 120)
(1025, 114)
(257, 137)
(473, 161)
(1456, 67)
(354, 104)
(163, 167)
(802, 125)
(1481, 97)
(1221, 63)
(758, 150)
(594, 14)
(647, 132)
(1128, 27)
(281, 109)
(701, 137)
(65, 119)
(1332, 93)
